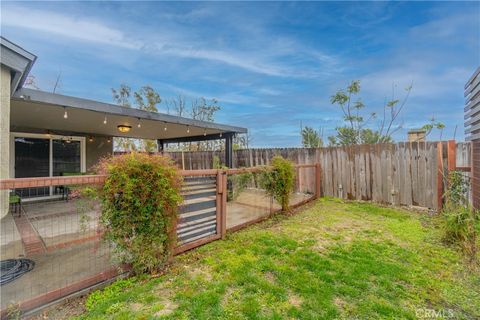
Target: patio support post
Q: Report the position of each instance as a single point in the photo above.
(229, 150)
(5, 92)
(160, 146)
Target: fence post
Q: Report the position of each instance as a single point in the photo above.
(317, 181)
(439, 176)
(219, 200)
(451, 155)
(224, 204)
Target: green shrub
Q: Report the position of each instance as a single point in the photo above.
(140, 201)
(237, 184)
(459, 219)
(279, 180)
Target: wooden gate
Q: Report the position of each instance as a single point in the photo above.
(202, 215)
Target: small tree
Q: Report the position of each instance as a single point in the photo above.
(433, 124)
(279, 181)
(311, 138)
(144, 99)
(140, 201)
(355, 130)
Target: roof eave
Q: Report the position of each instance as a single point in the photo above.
(17, 59)
(38, 96)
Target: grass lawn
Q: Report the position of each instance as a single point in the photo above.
(333, 260)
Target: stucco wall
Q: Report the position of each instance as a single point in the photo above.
(97, 149)
(4, 135)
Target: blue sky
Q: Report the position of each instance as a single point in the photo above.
(272, 65)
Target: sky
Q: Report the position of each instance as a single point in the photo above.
(273, 66)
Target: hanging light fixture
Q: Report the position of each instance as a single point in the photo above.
(90, 139)
(204, 132)
(124, 128)
(105, 120)
(165, 127)
(109, 140)
(220, 134)
(65, 114)
(139, 125)
(188, 129)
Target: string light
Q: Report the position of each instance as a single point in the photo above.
(105, 120)
(65, 114)
(139, 125)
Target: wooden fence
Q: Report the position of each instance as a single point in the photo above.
(406, 173)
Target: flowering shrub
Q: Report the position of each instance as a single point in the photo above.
(140, 201)
(279, 180)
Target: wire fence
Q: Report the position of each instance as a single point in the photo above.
(61, 238)
(54, 247)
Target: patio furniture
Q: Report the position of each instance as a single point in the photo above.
(15, 202)
(65, 190)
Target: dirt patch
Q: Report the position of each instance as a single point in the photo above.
(294, 300)
(270, 277)
(339, 302)
(136, 306)
(165, 300)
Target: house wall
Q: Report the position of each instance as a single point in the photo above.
(97, 149)
(4, 135)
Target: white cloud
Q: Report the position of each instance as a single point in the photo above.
(172, 42)
(66, 26)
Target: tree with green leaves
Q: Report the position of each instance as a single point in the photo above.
(311, 138)
(355, 131)
(146, 98)
(433, 124)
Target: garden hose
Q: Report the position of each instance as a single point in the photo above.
(12, 269)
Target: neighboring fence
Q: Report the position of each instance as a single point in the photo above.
(476, 173)
(63, 238)
(472, 129)
(407, 173)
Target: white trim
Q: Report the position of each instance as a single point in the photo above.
(50, 137)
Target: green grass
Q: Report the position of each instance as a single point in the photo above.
(334, 260)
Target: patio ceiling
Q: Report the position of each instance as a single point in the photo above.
(34, 110)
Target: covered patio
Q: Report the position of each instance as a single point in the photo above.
(52, 134)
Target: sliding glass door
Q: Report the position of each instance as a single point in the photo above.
(66, 157)
(32, 159)
(37, 156)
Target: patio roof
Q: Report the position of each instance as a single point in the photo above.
(39, 110)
